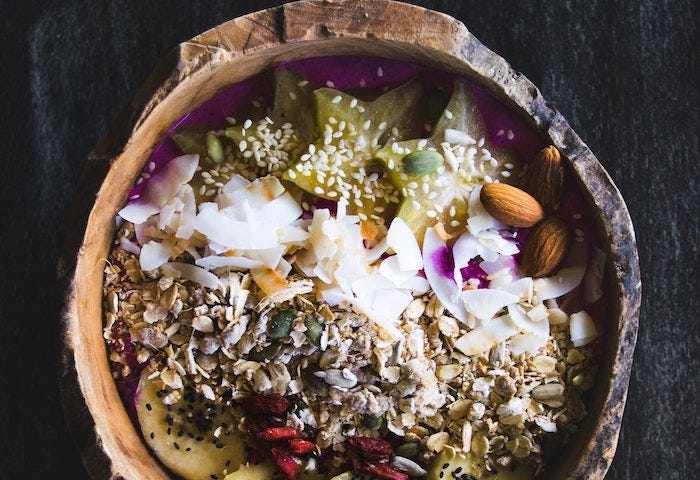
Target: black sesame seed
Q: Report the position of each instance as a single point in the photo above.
(228, 463)
(190, 434)
(153, 435)
(177, 447)
(442, 474)
(199, 438)
(169, 431)
(188, 449)
(149, 407)
(169, 419)
(445, 465)
(219, 445)
(213, 477)
(458, 469)
(170, 408)
(180, 433)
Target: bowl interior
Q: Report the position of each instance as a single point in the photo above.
(226, 55)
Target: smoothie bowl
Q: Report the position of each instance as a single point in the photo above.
(328, 247)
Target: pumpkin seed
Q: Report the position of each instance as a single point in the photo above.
(313, 330)
(423, 162)
(313, 383)
(373, 422)
(215, 150)
(267, 353)
(280, 324)
(408, 450)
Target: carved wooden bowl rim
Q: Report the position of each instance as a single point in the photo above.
(228, 53)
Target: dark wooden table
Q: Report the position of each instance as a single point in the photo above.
(623, 73)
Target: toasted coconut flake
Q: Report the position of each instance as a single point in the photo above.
(483, 338)
(190, 272)
(154, 254)
(559, 284)
(188, 213)
(593, 278)
(235, 234)
(529, 343)
(485, 303)
(161, 187)
(525, 323)
(401, 239)
(214, 261)
(582, 328)
(446, 289)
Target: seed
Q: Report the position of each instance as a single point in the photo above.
(408, 450)
(281, 324)
(424, 162)
(267, 353)
(313, 330)
(373, 422)
(215, 150)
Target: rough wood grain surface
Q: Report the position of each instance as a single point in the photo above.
(623, 75)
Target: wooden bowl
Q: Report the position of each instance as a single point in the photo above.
(235, 50)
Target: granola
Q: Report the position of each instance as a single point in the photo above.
(337, 337)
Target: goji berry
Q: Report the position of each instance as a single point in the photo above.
(277, 433)
(301, 446)
(266, 404)
(379, 470)
(369, 448)
(285, 463)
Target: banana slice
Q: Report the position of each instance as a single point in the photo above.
(192, 437)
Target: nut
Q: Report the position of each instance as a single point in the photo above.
(544, 178)
(511, 205)
(546, 247)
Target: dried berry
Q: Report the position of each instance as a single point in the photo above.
(378, 470)
(266, 404)
(285, 463)
(278, 433)
(301, 446)
(369, 448)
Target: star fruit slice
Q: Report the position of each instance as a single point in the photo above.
(340, 162)
(439, 190)
(262, 147)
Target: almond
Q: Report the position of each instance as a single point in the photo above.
(511, 205)
(546, 247)
(544, 178)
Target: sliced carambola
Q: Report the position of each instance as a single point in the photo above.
(190, 435)
(270, 145)
(434, 191)
(340, 162)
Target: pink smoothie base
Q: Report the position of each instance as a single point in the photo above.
(372, 73)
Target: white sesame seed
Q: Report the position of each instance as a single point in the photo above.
(416, 204)
(353, 103)
(422, 143)
(510, 135)
(210, 192)
(362, 216)
(578, 232)
(453, 211)
(292, 174)
(247, 124)
(431, 213)
(336, 99)
(412, 185)
(151, 166)
(505, 173)
(509, 166)
(139, 181)
(206, 175)
(332, 194)
(146, 176)
(380, 72)
(318, 190)
(448, 114)
(361, 109)
(256, 103)
(330, 84)
(231, 120)
(454, 223)
(382, 126)
(432, 195)
(425, 187)
(292, 95)
(362, 83)
(395, 131)
(500, 132)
